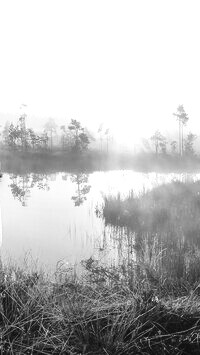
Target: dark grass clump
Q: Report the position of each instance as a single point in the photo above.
(177, 204)
(99, 314)
(164, 227)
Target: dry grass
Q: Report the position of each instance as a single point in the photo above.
(150, 305)
(99, 314)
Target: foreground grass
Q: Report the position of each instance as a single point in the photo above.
(150, 304)
(110, 311)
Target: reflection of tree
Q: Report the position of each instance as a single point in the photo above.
(22, 184)
(65, 177)
(20, 187)
(40, 181)
(81, 180)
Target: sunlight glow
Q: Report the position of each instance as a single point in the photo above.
(127, 64)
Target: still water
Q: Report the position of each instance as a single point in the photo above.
(52, 218)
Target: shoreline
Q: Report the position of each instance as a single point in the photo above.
(91, 161)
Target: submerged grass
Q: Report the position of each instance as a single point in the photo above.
(99, 314)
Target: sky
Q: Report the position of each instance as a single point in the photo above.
(126, 63)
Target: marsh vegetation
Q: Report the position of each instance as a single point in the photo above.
(138, 232)
(163, 228)
(108, 311)
(144, 302)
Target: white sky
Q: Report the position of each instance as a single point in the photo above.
(126, 63)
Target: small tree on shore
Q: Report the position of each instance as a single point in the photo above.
(159, 142)
(23, 131)
(32, 137)
(79, 137)
(173, 145)
(14, 136)
(189, 144)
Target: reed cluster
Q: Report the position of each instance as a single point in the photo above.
(109, 311)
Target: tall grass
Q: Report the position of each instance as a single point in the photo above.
(99, 314)
(164, 227)
(147, 305)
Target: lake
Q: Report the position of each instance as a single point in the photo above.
(52, 219)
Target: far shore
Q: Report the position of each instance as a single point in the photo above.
(58, 160)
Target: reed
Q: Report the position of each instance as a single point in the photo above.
(98, 314)
(161, 224)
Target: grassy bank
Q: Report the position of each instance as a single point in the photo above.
(107, 312)
(149, 304)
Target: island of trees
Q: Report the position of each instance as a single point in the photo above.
(76, 142)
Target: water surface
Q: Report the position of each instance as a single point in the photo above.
(53, 217)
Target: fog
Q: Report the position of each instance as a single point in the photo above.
(99, 177)
(128, 65)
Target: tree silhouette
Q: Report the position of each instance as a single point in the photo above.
(173, 146)
(189, 144)
(182, 118)
(23, 131)
(80, 139)
(159, 142)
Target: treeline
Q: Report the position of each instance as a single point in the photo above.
(184, 145)
(74, 137)
(162, 146)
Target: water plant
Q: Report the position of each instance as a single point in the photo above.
(163, 226)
